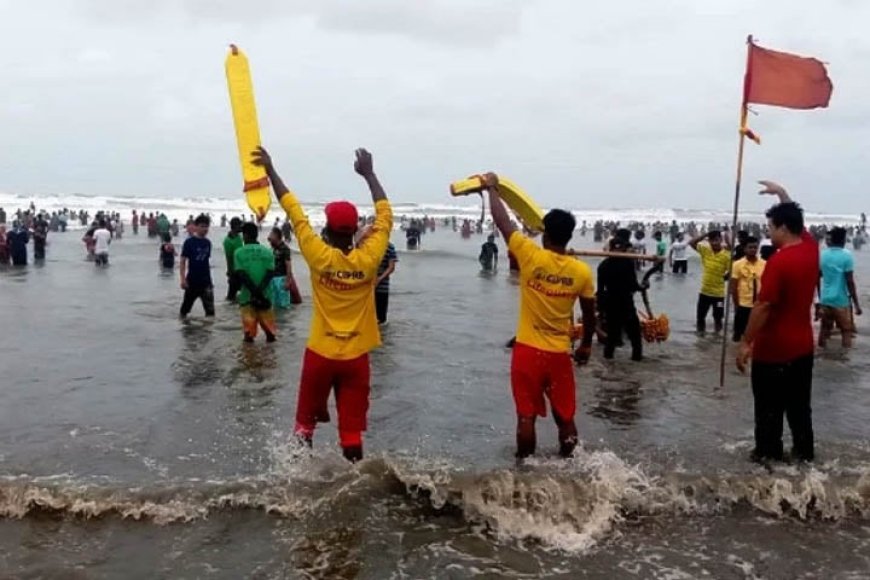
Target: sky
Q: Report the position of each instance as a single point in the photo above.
(630, 103)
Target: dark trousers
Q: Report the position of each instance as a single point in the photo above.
(233, 287)
(704, 304)
(622, 318)
(681, 266)
(191, 294)
(783, 388)
(382, 304)
(741, 320)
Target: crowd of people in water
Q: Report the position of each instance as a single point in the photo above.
(775, 275)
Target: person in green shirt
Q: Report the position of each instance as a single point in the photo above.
(661, 252)
(253, 269)
(162, 225)
(716, 264)
(232, 242)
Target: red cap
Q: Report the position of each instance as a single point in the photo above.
(341, 217)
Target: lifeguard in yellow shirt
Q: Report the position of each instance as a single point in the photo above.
(343, 325)
(551, 283)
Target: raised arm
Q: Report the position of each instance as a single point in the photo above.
(365, 168)
(497, 209)
(693, 243)
(310, 244)
(773, 188)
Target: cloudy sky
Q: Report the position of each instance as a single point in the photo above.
(629, 103)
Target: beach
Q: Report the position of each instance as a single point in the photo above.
(137, 445)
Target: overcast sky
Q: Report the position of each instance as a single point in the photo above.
(629, 103)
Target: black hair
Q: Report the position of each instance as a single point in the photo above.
(559, 226)
(657, 235)
(102, 223)
(277, 231)
(617, 244)
(788, 214)
(250, 231)
(202, 220)
(623, 234)
(714, 235)
(838, 237)
(167, 238)
(750, 240)
(235, 223)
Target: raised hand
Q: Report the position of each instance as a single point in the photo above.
(261, 158)
(364, 165)
(770, 187)
(490, 180)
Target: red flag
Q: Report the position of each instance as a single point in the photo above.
(785, 80)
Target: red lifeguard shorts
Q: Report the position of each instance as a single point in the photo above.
(535, 373)
(349, 378)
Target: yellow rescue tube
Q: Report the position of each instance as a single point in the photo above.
(523, 206)
(247, 131)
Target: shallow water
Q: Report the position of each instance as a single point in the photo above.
(134, 445)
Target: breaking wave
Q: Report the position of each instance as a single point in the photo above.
(568, 505)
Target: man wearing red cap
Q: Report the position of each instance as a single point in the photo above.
(343, 325)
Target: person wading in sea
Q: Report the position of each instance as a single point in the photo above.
(715, 262)
(195, 269)
(343, 324)
(253, 269)
(837, 291)
(232, 242)
(779, 336)
(745, 284)
(550, 284)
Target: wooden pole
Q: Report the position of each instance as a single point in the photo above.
(740, 148)
(601, 254)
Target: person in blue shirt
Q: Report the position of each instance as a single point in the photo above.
(837, 290)
(195, 268)
(382, 284)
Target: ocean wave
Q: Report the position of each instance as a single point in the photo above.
(181, 207)
(567, 505)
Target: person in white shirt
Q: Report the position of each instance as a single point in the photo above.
(102, 239)
(677, 258)
(639, 246)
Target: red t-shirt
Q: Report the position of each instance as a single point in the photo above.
(789, 286)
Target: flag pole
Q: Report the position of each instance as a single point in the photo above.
(739, 179)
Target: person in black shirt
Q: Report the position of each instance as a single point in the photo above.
(739, 249)
(196, 269)
(283, 285)
(617, 283)
(40, 238)
(16, 241)
(167, 253)
(489, 255)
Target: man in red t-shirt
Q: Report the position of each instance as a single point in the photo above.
(779, 336)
